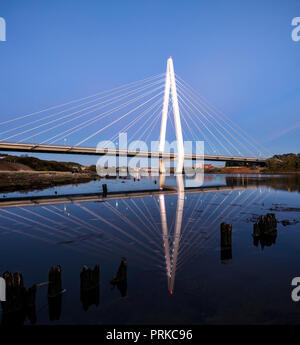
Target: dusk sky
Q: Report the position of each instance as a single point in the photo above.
(238, 54)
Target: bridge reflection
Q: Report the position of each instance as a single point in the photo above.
(165, 232)
(148, 230)
(171, 259)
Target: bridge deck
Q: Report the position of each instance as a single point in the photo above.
(15, 147)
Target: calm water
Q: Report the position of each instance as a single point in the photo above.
(114, 185)
(176, 272)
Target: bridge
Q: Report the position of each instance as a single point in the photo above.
(135, 109)
(15, 147)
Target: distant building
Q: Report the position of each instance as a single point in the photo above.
(205, 166)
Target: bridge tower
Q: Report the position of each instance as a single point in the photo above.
(170, 85)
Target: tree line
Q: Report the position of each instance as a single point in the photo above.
(285, 162)
(43, 165)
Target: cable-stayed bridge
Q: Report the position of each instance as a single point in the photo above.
(15, 147)
(150, 111)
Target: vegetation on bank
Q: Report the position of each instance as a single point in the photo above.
(289, 162)
(285, 163)
(26, 181)
(234, 170)
(23, 173)
(231, 164)
(40, 165)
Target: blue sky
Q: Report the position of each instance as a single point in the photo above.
(238, 54)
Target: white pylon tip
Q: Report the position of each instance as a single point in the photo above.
(170, 84)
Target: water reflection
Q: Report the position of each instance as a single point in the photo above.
(130, 226)
(171, 258)
(288, 182)
(166, 233)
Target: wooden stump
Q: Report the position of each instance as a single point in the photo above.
(89, 286)
(120, 280)
(54, 293)
(226, 242)
(265, 230)
(104, 189)
(19, 303)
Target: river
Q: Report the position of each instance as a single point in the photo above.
(177, 271)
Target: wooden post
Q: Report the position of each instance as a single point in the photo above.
(14, 308)
(120, 280)
(54, 293)
(89, 286)
(265, 230)
(104, 189)
(226, 242)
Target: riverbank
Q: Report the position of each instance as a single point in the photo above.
(11, 181)
(249, 170)
(234, 170)
(29, 180)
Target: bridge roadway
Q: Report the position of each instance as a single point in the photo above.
(98, 197)
(16, 147)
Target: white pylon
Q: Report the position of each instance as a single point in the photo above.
(170, 84)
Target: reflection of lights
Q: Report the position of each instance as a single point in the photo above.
(66, 211)
(117, 204)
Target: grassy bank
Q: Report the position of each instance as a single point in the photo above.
(37, 180)
(24, 173)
